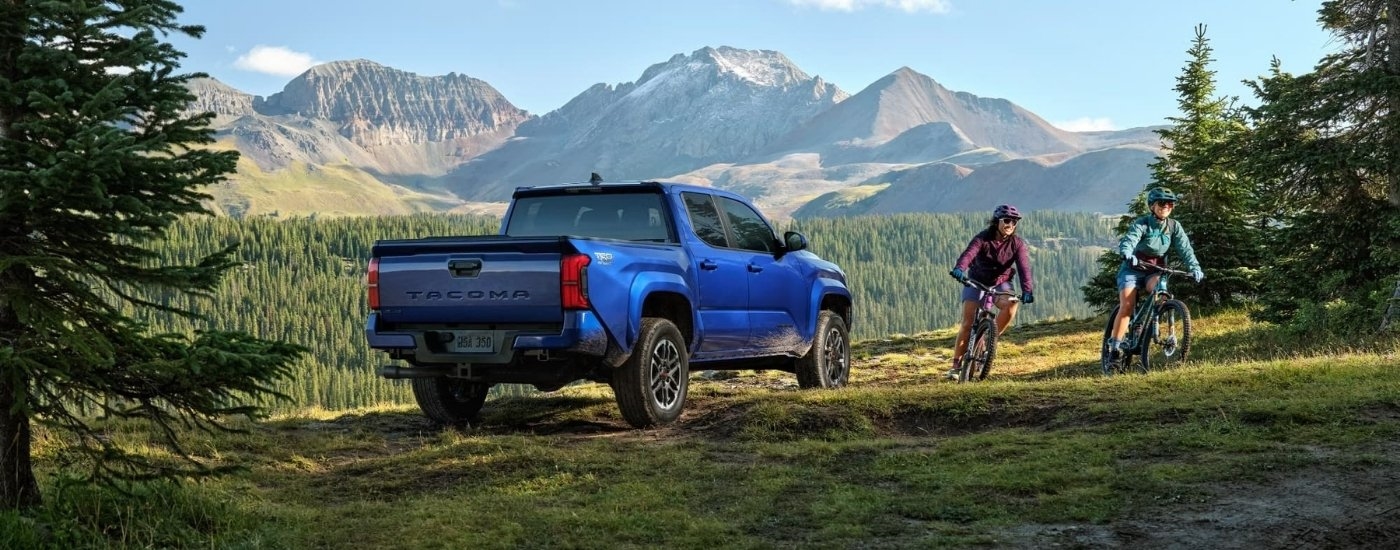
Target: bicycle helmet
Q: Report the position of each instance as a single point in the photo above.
(1006, 211)
(1161, 194)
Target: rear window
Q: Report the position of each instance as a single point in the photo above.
(626, 216)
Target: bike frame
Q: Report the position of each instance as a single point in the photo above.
(1144, 325)
(986, 308)
(1147, 306)
(986, 313)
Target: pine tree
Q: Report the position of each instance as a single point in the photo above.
(97, 159)
(1215, 204)
(1325, 153)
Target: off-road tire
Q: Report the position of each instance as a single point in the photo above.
(651, 385)
(828, 363)
(1167, 353)
(981, 353)
(1106, 355)
(964, 372)
(449, 401)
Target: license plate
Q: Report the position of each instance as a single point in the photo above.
(473, 341)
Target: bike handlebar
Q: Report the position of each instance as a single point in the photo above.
(1169, 270)
(984, 288)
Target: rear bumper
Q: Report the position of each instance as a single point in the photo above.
(581, 333)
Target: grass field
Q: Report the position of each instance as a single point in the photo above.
(302, 189)
(1262, 440)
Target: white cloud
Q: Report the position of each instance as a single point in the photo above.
(1086, 124)
(911, 6)
(275, 60)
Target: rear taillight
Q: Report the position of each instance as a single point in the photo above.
(573, 281)
(372, 281)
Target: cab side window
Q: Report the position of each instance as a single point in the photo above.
(749, 228)
(705, 219)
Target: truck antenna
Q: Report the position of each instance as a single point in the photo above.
(595, 179)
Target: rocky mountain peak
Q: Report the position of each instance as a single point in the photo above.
(211, 95)
(905, 99)
(760, 67)
(689, 111)
(375, 105)
(907, 73)
(757, 69)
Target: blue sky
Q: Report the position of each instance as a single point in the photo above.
(1080, 64)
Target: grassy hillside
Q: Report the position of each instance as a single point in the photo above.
(304, 190)
(847, 201)
(1264, 440)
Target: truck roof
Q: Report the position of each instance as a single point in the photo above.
(611, 186)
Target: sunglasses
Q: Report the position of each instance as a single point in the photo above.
(1168, 204)
(1011, 221)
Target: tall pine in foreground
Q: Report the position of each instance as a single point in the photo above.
(96, 161)
(1215, 208)
(1325, 151)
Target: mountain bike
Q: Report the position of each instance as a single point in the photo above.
(982, 340)
(1160, 321)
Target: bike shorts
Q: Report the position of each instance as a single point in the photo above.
(1132, 278)
(970, 294)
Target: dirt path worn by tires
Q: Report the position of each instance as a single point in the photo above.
(1319, 508)
(1331, 506)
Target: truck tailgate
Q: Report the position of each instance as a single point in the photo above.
(488, 279)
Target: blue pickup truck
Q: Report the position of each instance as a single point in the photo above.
(631, 284)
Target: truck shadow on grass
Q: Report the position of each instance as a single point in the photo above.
(551, 414)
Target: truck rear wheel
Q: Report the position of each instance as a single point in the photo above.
(828, 363)
(651, 385)
(449, 401)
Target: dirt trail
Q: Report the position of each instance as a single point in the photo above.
(1311, 509)
(1319, 508)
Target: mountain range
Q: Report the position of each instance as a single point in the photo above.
(359, 138)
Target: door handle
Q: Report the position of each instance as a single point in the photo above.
(708, 265)
(755, 268)
(464, 268)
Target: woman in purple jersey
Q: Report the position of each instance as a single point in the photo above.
(992, 258)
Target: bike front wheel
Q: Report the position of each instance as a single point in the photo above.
(1166, 342)
(981, 351)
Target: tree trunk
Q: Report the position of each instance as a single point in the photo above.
(18, 488)
(1392, 66)
(1392, 306)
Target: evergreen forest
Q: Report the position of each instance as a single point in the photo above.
(302, 281)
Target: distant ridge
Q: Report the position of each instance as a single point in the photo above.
(714, 105)
(1089, 182)
(747, 120)
(905, 100)
(374, 105)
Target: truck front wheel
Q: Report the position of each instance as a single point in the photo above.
(449, 401)
(828, 363)
(650, 386)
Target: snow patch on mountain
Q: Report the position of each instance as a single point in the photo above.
(764, 68)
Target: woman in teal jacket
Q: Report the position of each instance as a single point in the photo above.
(1147, 241)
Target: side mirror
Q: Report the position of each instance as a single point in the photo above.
(794, 241)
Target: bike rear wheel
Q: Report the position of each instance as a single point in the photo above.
(1134, 337)
(981, 352)
(1106, 354)
(1167, 339)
